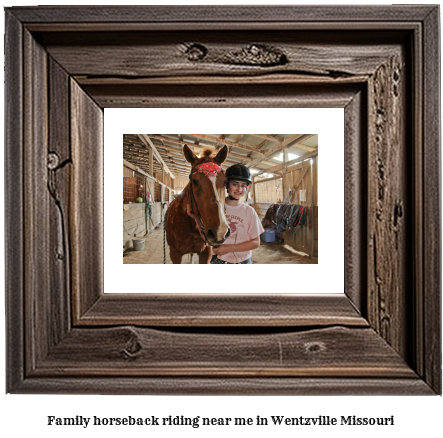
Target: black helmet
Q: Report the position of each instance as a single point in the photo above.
(238, 172)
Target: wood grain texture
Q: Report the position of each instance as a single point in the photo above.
(226, 386)
(36, 202)
(431, 316)
(205, 310)
(59, 172)
(388, 201)
(86, 200)
(169, 55)
(129, 351)
(14, 238)
(355, 189)
(222, 14)
(228, 95)
(55, 85)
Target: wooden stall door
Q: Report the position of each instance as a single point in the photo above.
(129, 189)
(300, 188)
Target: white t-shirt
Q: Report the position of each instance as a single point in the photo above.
(245, 225)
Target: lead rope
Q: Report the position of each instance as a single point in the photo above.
(214, 256)
(164, 240)
(199, 222)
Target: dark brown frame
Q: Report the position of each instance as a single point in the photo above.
(64, 65)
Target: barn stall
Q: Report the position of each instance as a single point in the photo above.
(283, 193)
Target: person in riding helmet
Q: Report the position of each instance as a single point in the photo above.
(242, 219)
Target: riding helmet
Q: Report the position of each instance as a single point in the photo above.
(238, 172)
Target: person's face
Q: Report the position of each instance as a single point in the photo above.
(237, 188)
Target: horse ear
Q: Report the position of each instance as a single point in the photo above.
(221, 156)
(189, 155)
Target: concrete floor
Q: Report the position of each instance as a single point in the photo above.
(267, 253)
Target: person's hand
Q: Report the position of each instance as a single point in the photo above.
(190, 213)
(221, 250)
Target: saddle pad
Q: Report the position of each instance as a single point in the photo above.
(280, 216)
(286, 216)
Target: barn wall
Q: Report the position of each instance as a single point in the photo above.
(135, 220)
(156, 218)
(139, 221)
(134, 223)
(158, 176)
(150, 187)
(180, 183)
(127, 172)
(261, 208)
(269, 191)
(300, 184)
(300, 187)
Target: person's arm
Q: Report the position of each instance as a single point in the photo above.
(238, 247)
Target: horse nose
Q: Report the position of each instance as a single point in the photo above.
(211, 235)
(214, 235)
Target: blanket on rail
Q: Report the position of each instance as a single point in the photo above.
(280, 216)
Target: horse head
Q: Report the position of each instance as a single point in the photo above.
(207, 193)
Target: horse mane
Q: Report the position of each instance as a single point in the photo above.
(205, 156)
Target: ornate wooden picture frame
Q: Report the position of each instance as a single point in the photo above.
(64, 65)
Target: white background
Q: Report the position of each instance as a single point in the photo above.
(326, 277)
(26, 414)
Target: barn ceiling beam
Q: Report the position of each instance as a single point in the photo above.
(227, 142)
(147, 141)
(305, 147)
(181, 169)
(259, 147)
(240, 136)
(282, 166)
(173, 140)
(171, 154)
(173, 160)
(128, 164)
(292, 140)
(268, 137)
(135, 163)
(262, 144)
(136, 150)
(137, 146)
(266, 179)
(182, 143)
(271, 138)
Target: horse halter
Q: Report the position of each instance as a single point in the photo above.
(210, 170)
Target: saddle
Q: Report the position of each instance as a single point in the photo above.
(280, 216)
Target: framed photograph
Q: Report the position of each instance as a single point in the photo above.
(280, 187)
(380, 334)
(295, 245)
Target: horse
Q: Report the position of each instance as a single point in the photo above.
(206, 226)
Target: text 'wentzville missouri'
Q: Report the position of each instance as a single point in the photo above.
(197, 421)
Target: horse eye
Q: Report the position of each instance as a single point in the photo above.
(195, 182)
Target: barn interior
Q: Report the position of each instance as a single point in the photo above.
(284, 172)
